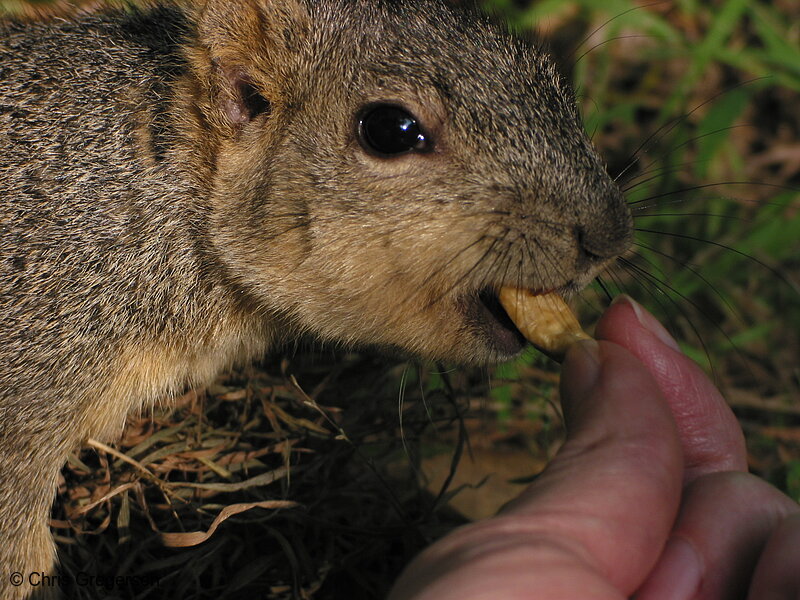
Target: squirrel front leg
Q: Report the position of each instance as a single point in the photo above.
(27, 551)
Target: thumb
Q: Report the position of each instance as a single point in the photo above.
(619, 473)
(593, 524)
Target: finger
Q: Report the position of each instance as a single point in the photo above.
(593, 523)
(710, 435)
(777, 575)
(620, 469)
(725, 521)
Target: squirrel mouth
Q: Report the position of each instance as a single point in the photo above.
(485, 313)
(512, 317)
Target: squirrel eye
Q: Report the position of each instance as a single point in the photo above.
(388, 130)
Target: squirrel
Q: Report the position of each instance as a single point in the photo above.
(184, 185)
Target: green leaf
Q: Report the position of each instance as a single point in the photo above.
(714, 130)
(793, 479)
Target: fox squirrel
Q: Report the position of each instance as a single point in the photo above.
(183, 185)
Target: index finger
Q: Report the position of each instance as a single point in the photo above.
(710, 435)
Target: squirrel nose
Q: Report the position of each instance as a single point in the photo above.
(603, 242)
(607, 239)
(606, 231)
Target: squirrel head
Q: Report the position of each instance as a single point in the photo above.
(381, 168)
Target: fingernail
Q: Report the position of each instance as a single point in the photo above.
(648, 321)
(677, 575)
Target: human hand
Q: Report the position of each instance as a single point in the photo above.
(648, 497)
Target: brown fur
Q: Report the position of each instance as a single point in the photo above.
(181, 188)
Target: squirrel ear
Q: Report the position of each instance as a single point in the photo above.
(244, 49)
(237, 95)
